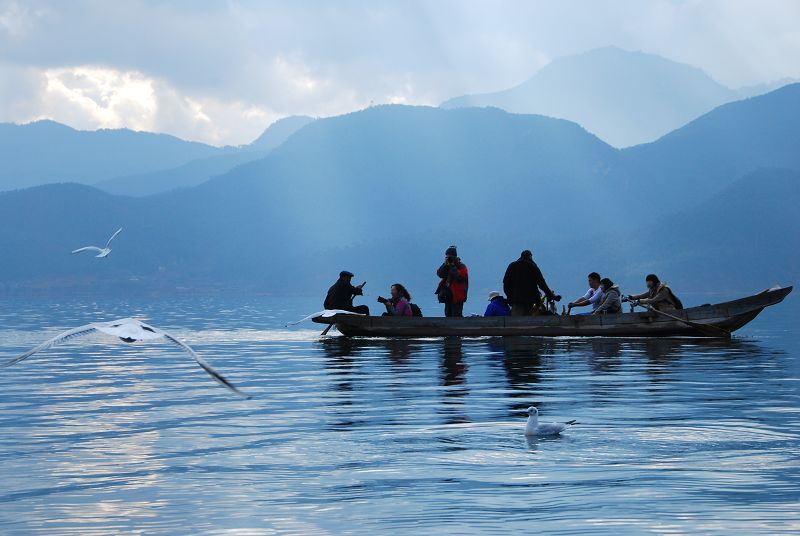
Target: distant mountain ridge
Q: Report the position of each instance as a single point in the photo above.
(123, 161)
(384, 190)
(46, 151)
(706, 155)
(626, 98)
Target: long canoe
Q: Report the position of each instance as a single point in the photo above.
(710, 320)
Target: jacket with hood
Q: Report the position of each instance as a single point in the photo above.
(612, 302)
(661, 298)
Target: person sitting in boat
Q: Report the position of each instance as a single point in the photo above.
(498, 305)
(454, 283)
(521, 284)
(341, 294)
(658, 295)
(612, 298)
(592, 297)
(400, 302)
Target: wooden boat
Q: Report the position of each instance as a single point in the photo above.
(718, 320)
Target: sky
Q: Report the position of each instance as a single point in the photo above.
(220, 72)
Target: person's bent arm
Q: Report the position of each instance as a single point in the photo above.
(661, 296)
(604, 305)
(641, 296)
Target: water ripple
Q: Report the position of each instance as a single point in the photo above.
(389, 436)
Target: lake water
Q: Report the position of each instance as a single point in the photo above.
(389, 437)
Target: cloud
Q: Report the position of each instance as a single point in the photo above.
(221, 71)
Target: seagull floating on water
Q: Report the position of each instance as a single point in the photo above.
(128, 330)
(101, 252)
(536, 428)
(327, 313)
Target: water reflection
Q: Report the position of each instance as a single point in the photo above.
(387, 436)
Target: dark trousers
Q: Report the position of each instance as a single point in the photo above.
(522, 309)
(362, 309)
(453, 309)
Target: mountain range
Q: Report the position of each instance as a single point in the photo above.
(122, 161)
(624, 97)
(45, 151)
(383, 191)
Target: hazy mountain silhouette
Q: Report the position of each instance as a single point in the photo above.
(751, 228)
(706, 155)
(278, 131)
(337, 182)
(202, 169)
(624, 97)
(185, 176)
(46, 151)
(384, 191)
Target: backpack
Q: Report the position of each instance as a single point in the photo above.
(415, 310)
(678, 303)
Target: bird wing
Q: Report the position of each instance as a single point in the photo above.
(88, 248)
(205, 366)
(58, 339)
(550, 428)
(327, 313)
(113, 236)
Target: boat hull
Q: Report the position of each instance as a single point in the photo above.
(718, 320)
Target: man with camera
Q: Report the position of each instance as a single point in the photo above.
(453, 284)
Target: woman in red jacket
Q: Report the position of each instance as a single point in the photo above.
(452, 289)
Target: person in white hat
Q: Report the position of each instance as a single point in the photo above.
(498, 305)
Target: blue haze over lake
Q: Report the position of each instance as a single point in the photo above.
(389, 436)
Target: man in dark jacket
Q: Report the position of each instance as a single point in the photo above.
(521, 284)
(341, 294)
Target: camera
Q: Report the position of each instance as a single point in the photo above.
(381, 299)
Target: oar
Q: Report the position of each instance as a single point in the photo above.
(708, 329)
(325, 332)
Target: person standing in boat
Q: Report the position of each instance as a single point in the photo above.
(341, 294)
(498, 305)
(593, 296)
(612, 298)
(400, 302)
(522, 283)
(658, 295)
(453, 284)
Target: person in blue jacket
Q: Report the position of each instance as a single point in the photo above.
(498, 305)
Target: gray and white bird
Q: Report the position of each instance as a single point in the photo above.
(101, 252)
(128, 330)
(535, 428)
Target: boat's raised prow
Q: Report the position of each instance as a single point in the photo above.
(717, 320)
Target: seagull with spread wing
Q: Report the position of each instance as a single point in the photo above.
(327, 313)
(101, 252)
(128, 330)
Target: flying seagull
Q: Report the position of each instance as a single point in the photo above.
(128, 330)
(101, 252)
(327, 313)
(536, 428)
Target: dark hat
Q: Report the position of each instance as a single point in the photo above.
(527, 253)
(451, 252)
(345, 273)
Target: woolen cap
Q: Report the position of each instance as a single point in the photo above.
(493, 295)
